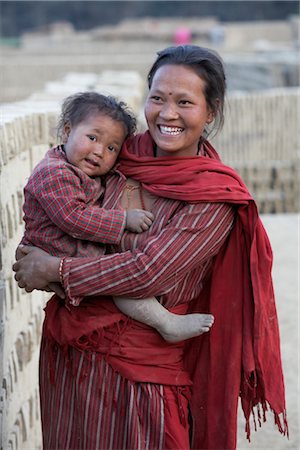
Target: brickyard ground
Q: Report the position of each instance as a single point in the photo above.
(284, 234)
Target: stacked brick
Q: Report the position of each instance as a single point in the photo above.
(23, 140)
(261, 140)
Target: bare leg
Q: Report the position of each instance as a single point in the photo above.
(172, 327)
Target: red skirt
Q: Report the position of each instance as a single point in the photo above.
(88, 405)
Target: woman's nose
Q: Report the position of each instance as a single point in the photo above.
(169, 111)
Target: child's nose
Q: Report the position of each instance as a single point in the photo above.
(99, 150)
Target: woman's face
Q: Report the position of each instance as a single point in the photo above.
(176, 110)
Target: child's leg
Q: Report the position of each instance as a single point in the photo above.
(172, 327)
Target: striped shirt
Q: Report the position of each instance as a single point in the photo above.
(168, 261)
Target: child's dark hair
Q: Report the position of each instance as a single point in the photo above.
(207, 64)
(78, 107)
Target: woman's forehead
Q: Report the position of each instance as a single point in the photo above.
(176, 78)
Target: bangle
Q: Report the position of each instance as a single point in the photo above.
(60, 270)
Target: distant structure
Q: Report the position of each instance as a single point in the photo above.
(257, 55)
(217, 35)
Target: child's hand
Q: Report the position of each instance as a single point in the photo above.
(138, 220)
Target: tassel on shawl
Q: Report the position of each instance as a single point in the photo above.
(256, 405)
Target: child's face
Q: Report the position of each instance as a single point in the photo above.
(94, 144)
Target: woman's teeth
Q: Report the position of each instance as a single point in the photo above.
(173, 131)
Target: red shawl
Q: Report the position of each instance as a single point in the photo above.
(240, 356)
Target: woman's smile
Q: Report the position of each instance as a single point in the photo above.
(170, 131)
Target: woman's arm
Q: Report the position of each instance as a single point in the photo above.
(193, 236)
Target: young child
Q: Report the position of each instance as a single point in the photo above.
(62, 208)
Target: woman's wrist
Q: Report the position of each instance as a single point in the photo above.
(53, 267)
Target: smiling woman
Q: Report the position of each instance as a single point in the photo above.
(206, 251)
(176, 110)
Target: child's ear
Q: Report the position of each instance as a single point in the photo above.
(66, 132)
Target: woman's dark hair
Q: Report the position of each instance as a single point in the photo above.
(207, 64)
(78, 107)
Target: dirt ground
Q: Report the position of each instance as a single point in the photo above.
(284, 234)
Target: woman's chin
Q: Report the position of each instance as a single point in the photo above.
(168, 144)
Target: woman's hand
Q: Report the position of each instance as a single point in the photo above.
(36, 269)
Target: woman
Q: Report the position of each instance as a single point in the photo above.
(114, 383)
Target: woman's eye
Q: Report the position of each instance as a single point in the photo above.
(92, 138)
(156, 98)
(185, 102)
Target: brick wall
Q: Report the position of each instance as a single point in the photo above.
(261, 140)
(20, 313)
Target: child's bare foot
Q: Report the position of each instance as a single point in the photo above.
(172, 327)
(180, 327)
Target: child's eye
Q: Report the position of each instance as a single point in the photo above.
(92, 138)
(111, 148)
